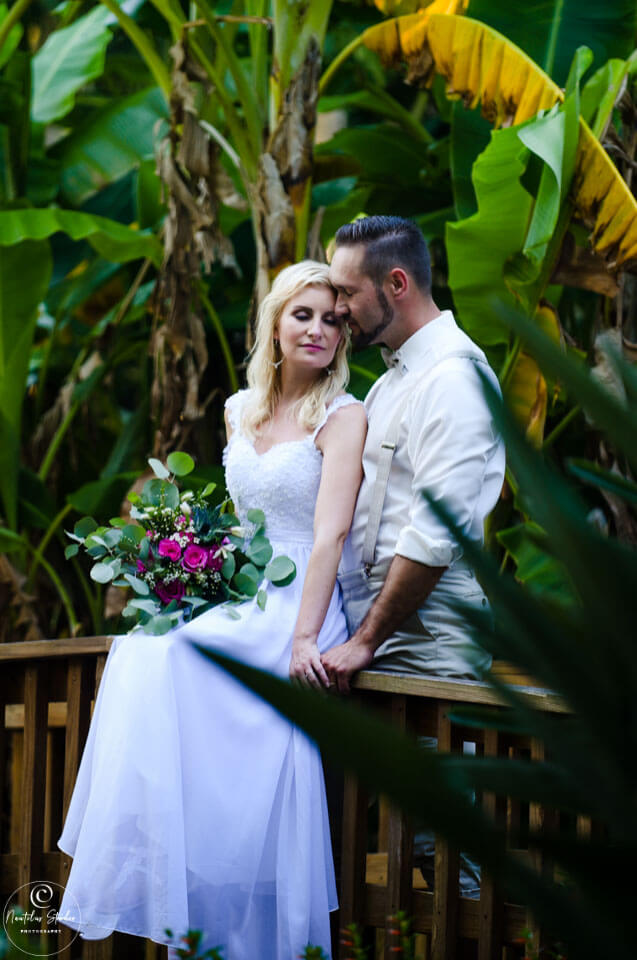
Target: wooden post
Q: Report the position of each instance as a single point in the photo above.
(490, 933)
(400, 845)
(33, 778)
(539, 819)
(353, 861)
(446, 871)
(4, 739)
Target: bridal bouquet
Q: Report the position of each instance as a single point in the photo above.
(182, 556)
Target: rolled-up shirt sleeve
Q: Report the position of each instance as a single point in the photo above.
(451, 444)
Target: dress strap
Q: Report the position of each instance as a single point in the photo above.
(234, 406)
(343, 400)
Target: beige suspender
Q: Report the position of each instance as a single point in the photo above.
(379, 490)
(385, 457)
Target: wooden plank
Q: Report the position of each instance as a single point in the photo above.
(376, 872)
(33, 776)
(98, 949)
(352, 893)
(44, 649)
(490, 934)
(446, 870)
(4, 774)
(14, 715)
(8, 872)
(465, 691)
(79, 692)
(539, 819)
(99, 671)
(400, 843)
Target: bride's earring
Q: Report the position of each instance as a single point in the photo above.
(276, 363)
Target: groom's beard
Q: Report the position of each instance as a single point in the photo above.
(362, 338)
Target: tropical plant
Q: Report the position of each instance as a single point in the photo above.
(251, 178)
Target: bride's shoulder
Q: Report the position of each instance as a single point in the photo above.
(234, 406)
(344, 400)
(354, 411)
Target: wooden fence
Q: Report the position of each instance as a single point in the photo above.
(47, 689)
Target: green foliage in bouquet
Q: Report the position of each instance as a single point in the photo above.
(183, 555)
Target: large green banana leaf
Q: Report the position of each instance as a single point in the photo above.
(111, 144)
(112, 240)
(25, 271)
(550, 31)
(68, 60)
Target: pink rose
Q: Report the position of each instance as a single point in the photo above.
(141, 567)
(170, 591)
(195, 557)
(215, 560)
(170, 549)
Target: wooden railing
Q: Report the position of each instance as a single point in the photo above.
(376, 884)
(47, 689)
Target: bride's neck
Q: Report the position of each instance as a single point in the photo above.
(294, 387)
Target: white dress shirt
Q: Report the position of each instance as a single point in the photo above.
(447, 445)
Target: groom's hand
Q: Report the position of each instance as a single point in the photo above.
(342, 662)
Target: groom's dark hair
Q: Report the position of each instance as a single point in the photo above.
(389, 242)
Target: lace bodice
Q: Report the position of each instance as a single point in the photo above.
(283, 481)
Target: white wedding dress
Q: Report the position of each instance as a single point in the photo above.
(196, 805)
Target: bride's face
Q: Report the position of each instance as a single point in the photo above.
(308, 330)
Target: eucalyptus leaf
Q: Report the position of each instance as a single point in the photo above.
(158, 625)
(159, 469)
(262, 599)
(147, 606)
(259, 550)
(133, 533)
(247, 579)
(160, 493)
(228, 566)
(231, 612)
(181, 464)
(69, 551)
(102, 573)
(281, 571)
(112, 537)
(84, 527)
(139, 586)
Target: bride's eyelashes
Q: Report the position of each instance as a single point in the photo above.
(329, 318)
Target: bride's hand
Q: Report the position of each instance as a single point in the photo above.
(305, 665)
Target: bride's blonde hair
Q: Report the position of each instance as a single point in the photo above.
(264, 378)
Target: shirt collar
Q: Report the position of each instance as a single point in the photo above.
(419, 343)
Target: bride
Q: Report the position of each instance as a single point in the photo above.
(196, 805)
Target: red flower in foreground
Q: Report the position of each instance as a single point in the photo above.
(170, 549)
(195, 557)
(167, 592)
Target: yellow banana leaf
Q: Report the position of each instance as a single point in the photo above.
(397, 8)
(526, 397)
(481, 66)
(526, 391)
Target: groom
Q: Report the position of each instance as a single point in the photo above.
(430, 429)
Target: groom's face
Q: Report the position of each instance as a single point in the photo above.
(360, 302)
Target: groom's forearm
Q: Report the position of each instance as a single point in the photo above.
(406, 587)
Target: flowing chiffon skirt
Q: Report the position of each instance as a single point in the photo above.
(196, 805)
